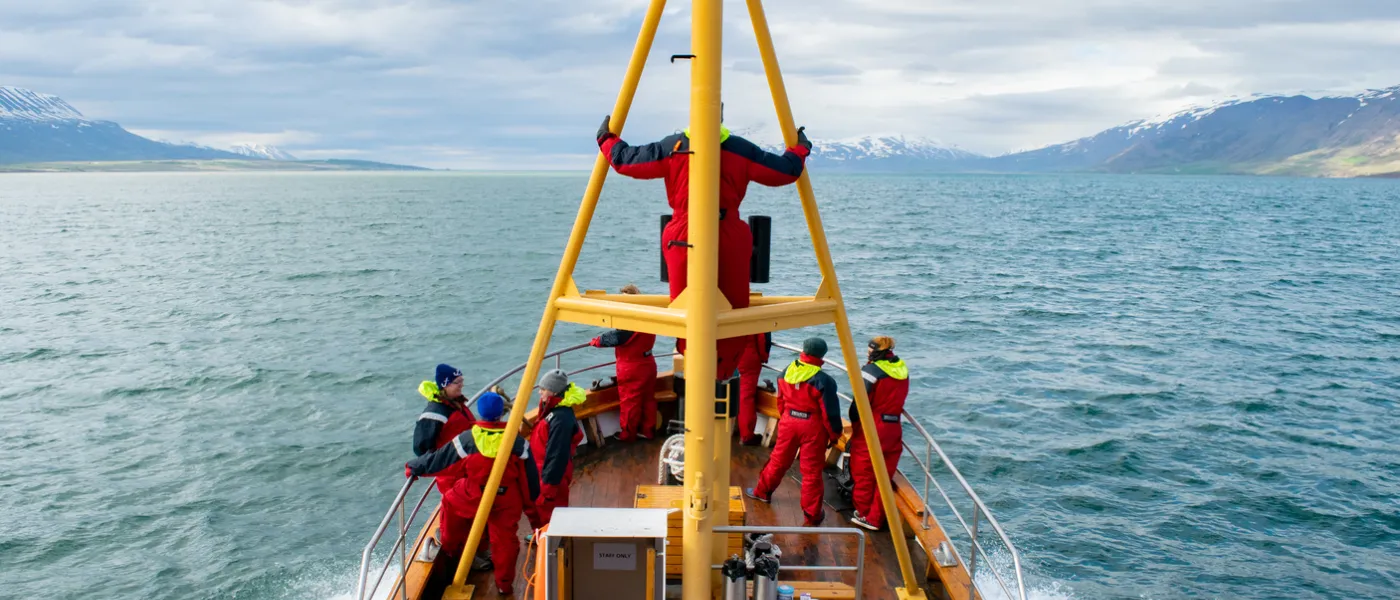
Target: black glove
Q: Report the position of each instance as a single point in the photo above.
(603, 131)
(801, 138)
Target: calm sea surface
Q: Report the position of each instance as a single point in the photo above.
(1163, 387)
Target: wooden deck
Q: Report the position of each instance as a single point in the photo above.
(610, 479)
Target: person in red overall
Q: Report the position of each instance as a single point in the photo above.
(556, 436)
(741, 163)
(476, 450)
(886, 385)
(636, 378)
(809, 423)
(445, 417)
(750, 367)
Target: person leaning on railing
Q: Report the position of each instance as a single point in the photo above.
(556, 436)
(887, 386)
(476, 451)
(636, 378)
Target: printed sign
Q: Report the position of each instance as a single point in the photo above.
(614, 557)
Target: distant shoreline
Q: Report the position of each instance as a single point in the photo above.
(203, 166)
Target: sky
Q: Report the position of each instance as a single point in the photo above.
(523, 84)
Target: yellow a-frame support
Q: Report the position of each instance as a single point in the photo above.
(700, 315)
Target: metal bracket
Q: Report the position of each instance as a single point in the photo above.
(681, 56)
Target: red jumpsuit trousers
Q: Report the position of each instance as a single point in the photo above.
(750, 368)
(636, 387)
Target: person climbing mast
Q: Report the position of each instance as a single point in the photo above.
(741, 162)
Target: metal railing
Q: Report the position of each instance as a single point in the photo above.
(364, 591)
(858, 568)
(979, 508)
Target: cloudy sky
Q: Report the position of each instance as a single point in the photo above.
(523, 84)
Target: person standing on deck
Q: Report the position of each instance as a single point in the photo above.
(887, 386)
(809, 424)
(636, 378)
(554, 439)
(476, 452)
(741, 162)
(751, 363)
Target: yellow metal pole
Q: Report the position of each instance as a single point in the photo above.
(697, 579)
(561, 281)
(911, 587)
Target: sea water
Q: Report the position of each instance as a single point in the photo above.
(1161, 386)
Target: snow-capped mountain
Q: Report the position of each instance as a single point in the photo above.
(887, 153)
(37, 127)
(261, 151)
(887, 147)
(18, 104)
(1262, 134)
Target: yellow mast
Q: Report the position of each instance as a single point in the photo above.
(563, 284)
(703, 480)
(700, 315)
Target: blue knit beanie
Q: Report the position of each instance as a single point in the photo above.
(445, 374)
(490, 406)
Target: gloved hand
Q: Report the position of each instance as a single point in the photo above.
(603, 131)
(408, 472)
(801, 138)
(595, 342)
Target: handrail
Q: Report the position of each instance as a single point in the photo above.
(361, 586)
(497, 381)
(859, 567)
(979, 508)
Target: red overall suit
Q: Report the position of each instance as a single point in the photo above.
(887, 385)
(750, 368)
(436, 426)
(741, 162)
(636, 381)
(552, 443)
(476, 451)
(809, 422)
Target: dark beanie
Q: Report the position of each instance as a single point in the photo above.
(814, 347)
(490, 406)
(445, 374)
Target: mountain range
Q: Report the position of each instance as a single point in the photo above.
(1269, 135)
(41, 128)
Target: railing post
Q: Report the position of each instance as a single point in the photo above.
(403, 554)
(928, 476)
(972, 552)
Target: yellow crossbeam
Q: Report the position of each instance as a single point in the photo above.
(788, 312)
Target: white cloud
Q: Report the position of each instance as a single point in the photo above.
(464, 84)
